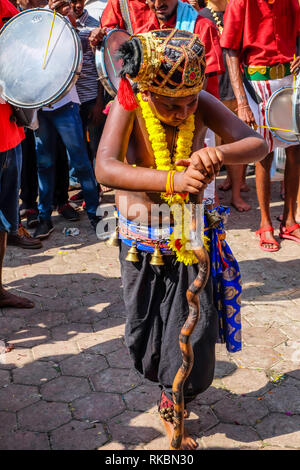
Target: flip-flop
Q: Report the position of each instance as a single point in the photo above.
(285, 232)
(264, 240)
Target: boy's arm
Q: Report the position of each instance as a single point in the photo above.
(242, 144)
(111, 170)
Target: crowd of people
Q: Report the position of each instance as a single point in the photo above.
(250, 52)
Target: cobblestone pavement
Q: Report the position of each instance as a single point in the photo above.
(69, 384)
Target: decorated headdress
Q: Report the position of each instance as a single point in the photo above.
(169, 62)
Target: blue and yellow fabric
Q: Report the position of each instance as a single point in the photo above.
(227, 285)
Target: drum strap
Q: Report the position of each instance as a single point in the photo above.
(125, 15)
(256, 98)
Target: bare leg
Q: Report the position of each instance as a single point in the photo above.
(291, 179)
(244, 187)
(187, 443)
(6, 298)
(236, 176)
(298, 205)
(263, 189)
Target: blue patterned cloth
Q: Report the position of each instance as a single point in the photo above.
(186, 17)
(227, 285)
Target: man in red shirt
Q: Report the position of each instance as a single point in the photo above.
(10, 165)
(112, 16)
(261, 35)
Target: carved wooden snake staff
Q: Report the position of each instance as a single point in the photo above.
(192, 296)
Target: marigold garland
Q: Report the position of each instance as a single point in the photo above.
(157, 137)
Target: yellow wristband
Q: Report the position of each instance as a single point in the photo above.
(170, 182)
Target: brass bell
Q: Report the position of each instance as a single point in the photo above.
(213, 219)
(133, 254)
(157, 257)
(113, 239)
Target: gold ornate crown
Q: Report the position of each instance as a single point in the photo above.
(173, 63)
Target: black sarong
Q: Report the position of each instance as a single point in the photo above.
(156, 306)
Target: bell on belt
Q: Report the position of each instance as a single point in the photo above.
(213, 219)
(113, 239)
(132, 254)
(157, 257)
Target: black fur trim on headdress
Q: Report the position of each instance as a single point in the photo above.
(131, 53)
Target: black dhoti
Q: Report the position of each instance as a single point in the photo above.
(156, 307)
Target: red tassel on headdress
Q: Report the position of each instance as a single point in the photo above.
(126, 96)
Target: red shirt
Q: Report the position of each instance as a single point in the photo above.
(10, 134)
(265, 34)
(112, 17)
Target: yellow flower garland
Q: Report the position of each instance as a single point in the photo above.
(157, 137)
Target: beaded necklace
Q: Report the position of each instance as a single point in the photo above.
(216, 19)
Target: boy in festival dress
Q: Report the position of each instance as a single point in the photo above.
(142, 139)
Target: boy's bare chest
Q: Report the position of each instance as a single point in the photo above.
(140, 151)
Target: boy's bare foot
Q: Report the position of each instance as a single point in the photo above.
(240, 205)
(10, 300)
(187, 443)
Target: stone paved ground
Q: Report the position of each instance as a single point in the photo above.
(68, 384)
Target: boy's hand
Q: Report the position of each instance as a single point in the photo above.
(203, 166)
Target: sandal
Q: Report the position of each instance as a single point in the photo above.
(263, 240)
(285, 232)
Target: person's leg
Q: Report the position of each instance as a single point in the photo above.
(10, 187)
(45, 139)
(236, 173)
(61, 174)
(156, 311)
(263, 189)
(6, 298)
(298, 205)
(68, 124)
(291, 180)
(29, 180)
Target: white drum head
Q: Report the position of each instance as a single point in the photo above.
(280, 114)
(23, 43)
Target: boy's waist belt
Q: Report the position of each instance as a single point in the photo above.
(146, 238)
(265, 72)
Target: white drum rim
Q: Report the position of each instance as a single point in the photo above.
(271, 99)
(100, 63)
(73, 75)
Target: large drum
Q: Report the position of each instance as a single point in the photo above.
(24, 82)
(279, 115)
(108, 67)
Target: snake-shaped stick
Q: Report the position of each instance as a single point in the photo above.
(192, 296)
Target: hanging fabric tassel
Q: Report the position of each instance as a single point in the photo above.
(126, 96)
(107, 108)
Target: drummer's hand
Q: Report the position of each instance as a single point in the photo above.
(61, 6)
(2, 100)
(96, 36)
(194, 4)
(295, 65)
(96, 115)
(246, 115)
(72, 19)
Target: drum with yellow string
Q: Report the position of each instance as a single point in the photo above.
(282, 116)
